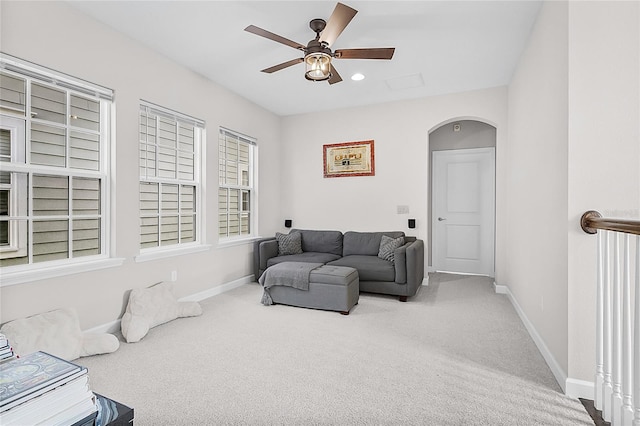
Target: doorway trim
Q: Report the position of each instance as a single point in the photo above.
(429, 176)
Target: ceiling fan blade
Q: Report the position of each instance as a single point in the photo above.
(275, 37)
(335, 77)
(282, 65)
(337, 22)
(376, 53)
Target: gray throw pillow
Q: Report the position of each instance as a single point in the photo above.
(289, 243)
(388, 246)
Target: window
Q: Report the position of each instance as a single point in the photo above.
(170, 194)
(13, 233)
(7, 190)
(236, 189)
(54, 183)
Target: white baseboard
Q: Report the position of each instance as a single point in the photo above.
(425, 280)
(198, 297)
(500, 289)
(110, 327)
(114, 326)
(573, 388)
(558, 372)
(580, 389)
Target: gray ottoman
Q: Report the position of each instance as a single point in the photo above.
(332, 288)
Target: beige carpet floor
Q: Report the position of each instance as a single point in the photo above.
(456, 354)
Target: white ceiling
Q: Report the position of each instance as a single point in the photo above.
(441, 46)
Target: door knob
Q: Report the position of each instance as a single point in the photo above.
(440, 219)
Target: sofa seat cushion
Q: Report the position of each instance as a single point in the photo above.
(370, 268)
(307, 256)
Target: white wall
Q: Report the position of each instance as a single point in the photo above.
(574, 145)
(400, 133)
(536, 264)
(54, 35)
(604, 149)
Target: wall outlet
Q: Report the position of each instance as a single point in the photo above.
(403, 209)
(174, 276)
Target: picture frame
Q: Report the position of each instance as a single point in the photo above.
(349, 159)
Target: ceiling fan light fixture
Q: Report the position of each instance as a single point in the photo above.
(317, 66)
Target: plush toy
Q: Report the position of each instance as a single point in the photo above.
(149, 307)
(58, 333)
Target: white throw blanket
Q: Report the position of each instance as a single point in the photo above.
(290, 274)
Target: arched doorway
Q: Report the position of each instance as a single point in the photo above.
(462, 197)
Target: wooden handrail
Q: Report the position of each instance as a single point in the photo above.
(591, 221)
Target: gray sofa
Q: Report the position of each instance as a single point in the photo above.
(358, 250)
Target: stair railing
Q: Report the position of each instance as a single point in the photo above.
(617, 377)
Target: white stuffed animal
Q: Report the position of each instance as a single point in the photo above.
(58, 333)
(149, 307)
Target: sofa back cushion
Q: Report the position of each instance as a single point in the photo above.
(365, 243)
(321, 241)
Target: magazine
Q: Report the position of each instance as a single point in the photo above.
(22, 376)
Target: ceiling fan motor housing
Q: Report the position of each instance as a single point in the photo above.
(315, 46)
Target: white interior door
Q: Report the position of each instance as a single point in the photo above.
(463, 211)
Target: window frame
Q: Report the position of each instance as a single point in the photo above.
(199, 154)
(250, 189)
(72, 87)
(17, 241)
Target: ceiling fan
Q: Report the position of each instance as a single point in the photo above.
(317, 54)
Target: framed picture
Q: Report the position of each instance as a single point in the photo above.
(349, 159)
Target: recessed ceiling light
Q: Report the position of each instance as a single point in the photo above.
(357, 77)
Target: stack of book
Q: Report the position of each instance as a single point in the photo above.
(5, 349)
(40, 388)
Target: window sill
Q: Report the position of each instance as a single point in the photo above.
(163, 253)
(43, 273)
(236, 241)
